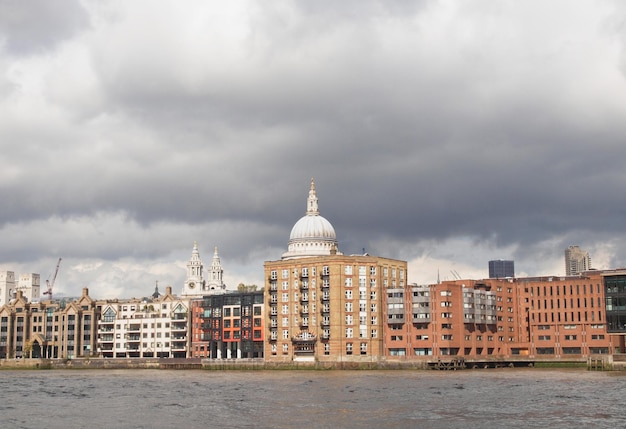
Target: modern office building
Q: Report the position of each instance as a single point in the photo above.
(614, 285)
(576, 261)
(228, 326)
(500, 269)
(323, 305)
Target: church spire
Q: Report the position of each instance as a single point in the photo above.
(216, 274)
(216, 259)
(312, 207)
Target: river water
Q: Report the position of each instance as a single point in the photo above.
(486, 398)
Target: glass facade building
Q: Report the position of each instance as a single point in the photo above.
(500, 269)
(615, 296)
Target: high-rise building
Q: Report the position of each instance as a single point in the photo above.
(500, 269)
(576, 261)
(323, 305)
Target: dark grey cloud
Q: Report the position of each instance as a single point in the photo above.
(436, 132)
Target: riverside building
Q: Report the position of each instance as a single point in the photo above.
(534, 317)
(48, 329)
(142, 328)
(323, 305)
(228, 326)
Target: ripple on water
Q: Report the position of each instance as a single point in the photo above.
(283, 399)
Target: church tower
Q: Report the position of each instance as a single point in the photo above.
(194, 284)
(215, 283)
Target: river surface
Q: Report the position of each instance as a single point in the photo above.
(486, 398)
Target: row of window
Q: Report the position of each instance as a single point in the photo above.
(570, 337)
(558, 289)
(567, 317)
(348, 270)
(547, 327)
(558, 302)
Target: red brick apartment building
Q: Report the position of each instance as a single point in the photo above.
(548, 317)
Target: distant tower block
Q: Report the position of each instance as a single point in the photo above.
(576, 261)
(500, 269)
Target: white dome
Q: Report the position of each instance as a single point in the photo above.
(313, 228)
(312, 235)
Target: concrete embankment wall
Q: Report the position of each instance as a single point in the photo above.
(600, 363)
(208, 364)
(80, 364)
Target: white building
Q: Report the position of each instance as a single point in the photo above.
(145, 328)
(196, 286)
(29, 284)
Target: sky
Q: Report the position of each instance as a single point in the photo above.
(443, 133)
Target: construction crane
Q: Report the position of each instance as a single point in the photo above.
(50, 284)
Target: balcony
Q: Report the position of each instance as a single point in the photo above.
(325, 297)
(179, 327)
(304, 337)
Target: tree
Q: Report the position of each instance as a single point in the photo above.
(28, 349)
(246, 288)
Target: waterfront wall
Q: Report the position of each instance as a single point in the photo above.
(602, 362)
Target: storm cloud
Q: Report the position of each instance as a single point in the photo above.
(444, 133)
